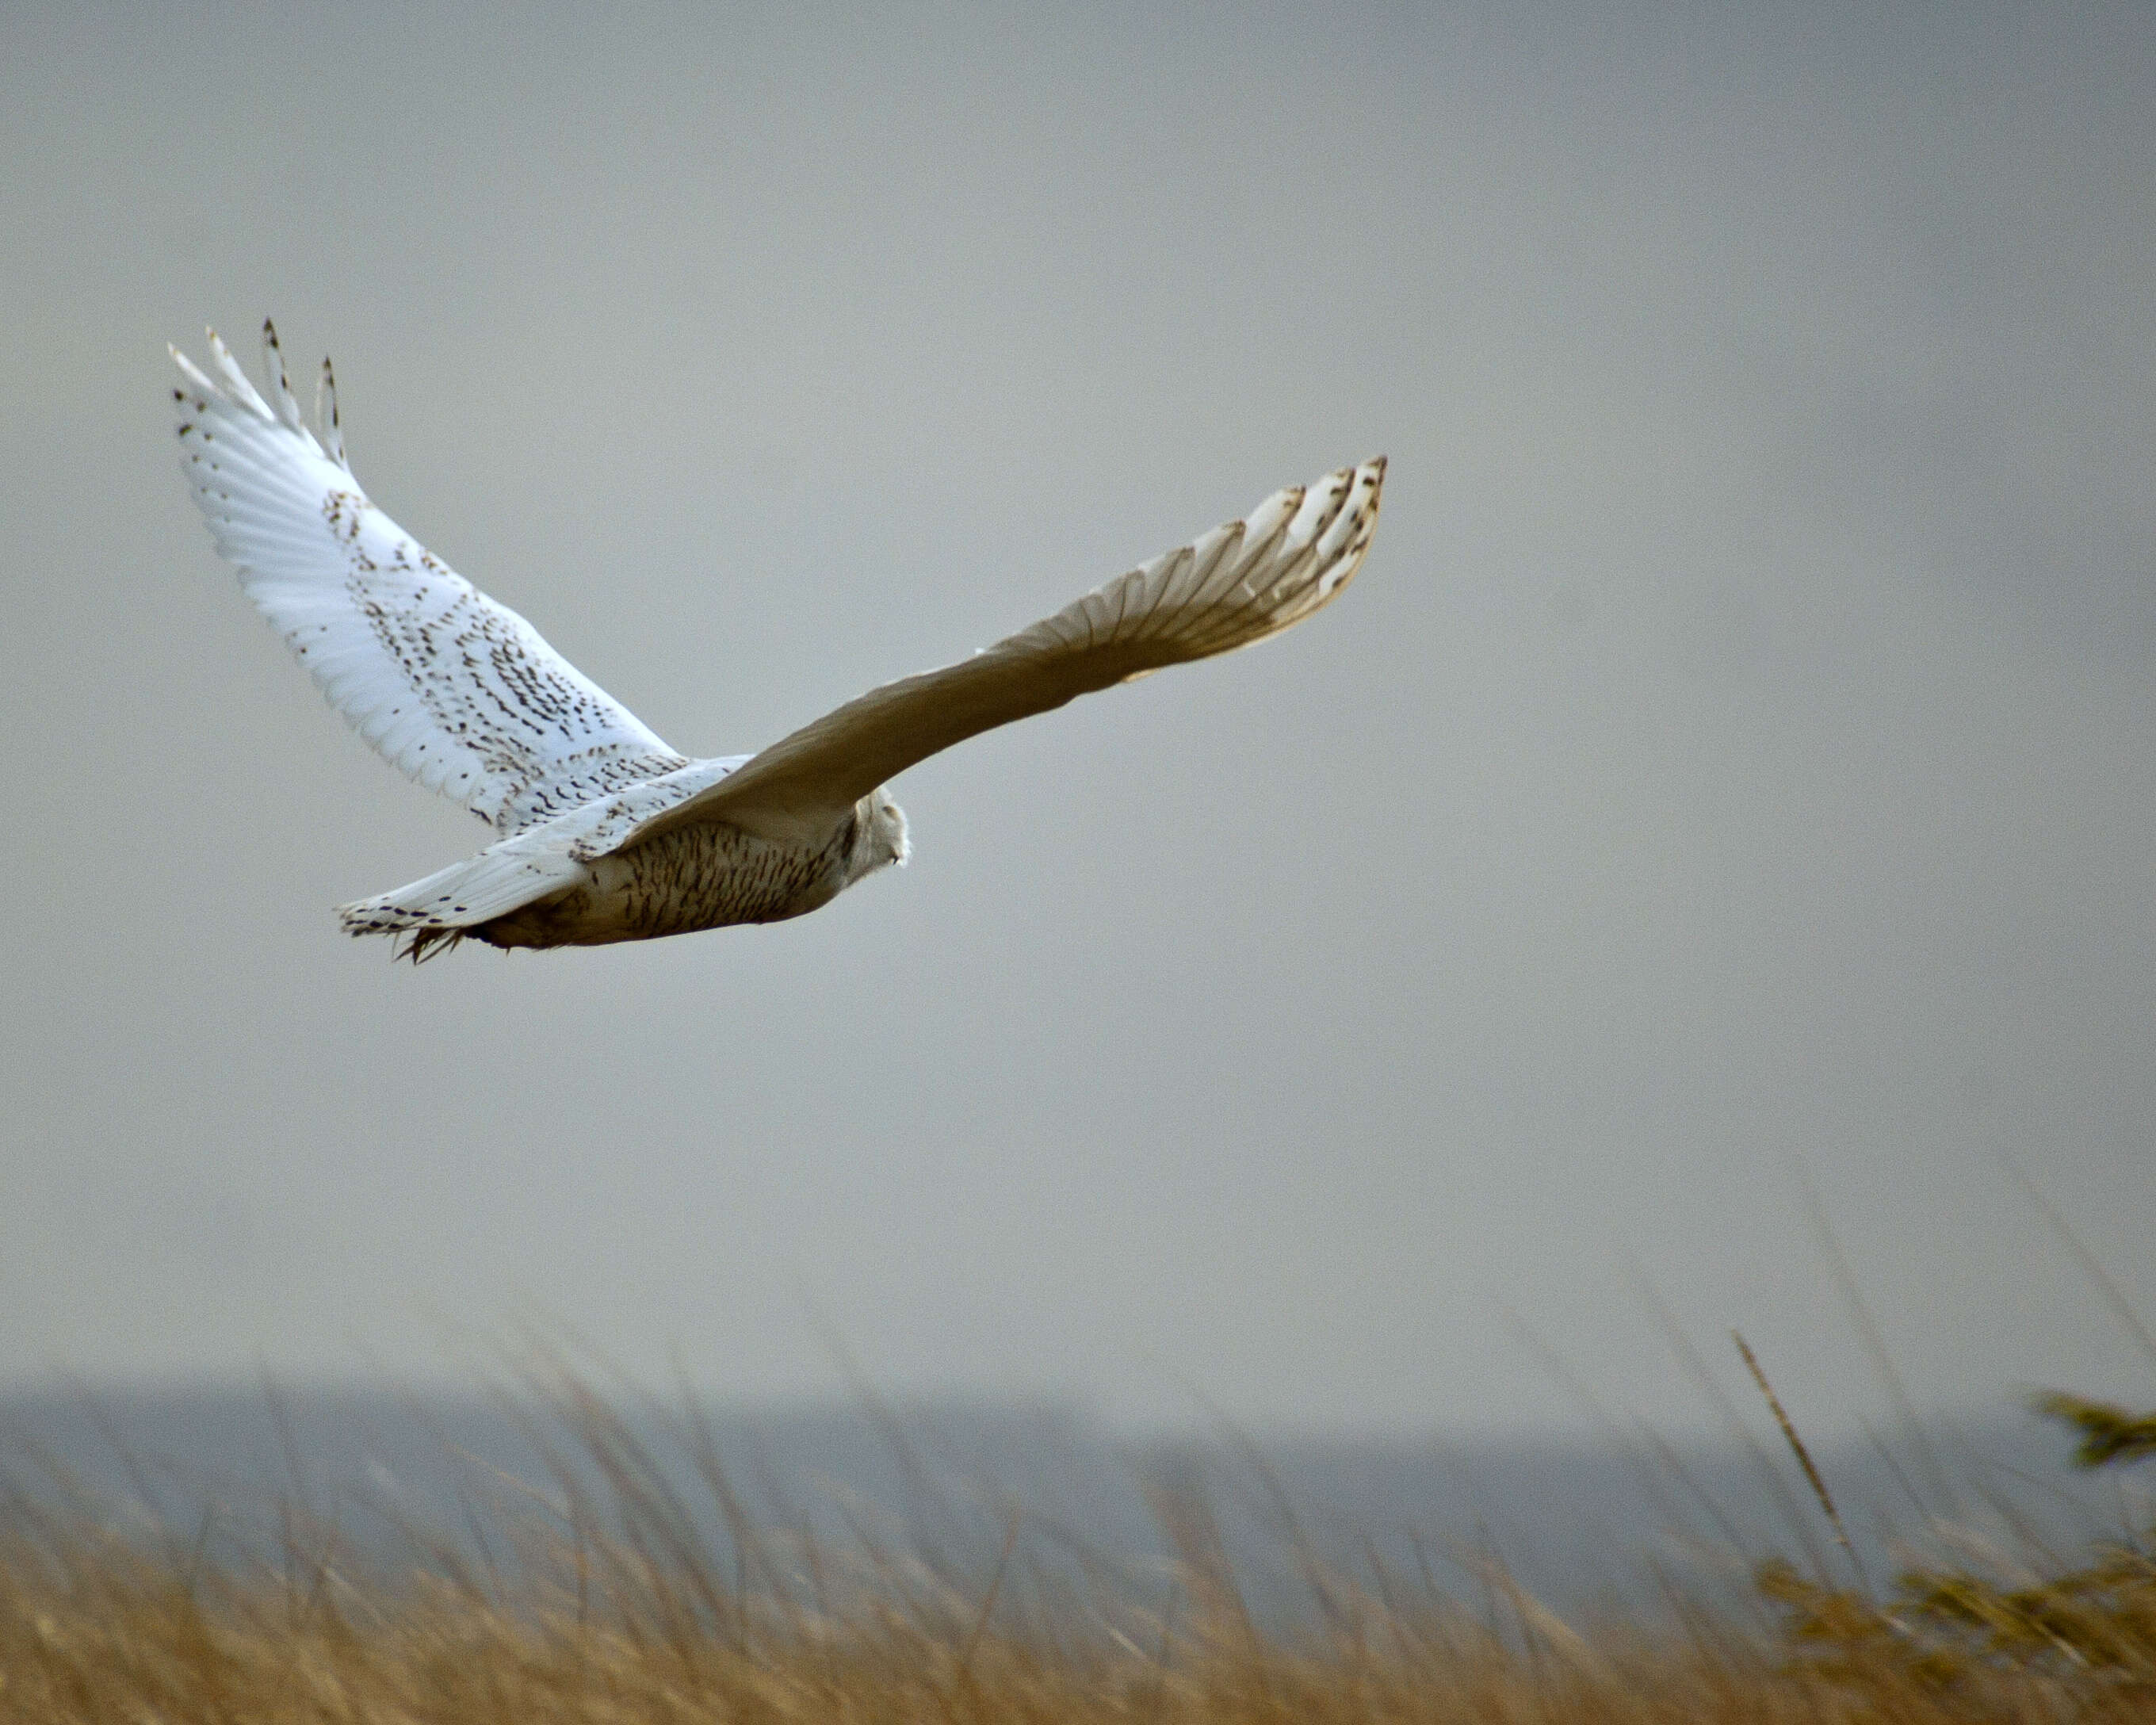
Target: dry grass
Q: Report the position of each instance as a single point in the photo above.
(605, 1598)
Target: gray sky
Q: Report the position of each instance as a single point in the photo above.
(1735, 758)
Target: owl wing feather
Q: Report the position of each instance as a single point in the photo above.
(1234, 586)
(457, 692)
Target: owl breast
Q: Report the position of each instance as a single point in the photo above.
(705, 875)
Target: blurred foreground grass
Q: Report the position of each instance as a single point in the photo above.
(604, 1597)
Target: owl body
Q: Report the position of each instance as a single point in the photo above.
(604, 832)
(707, 874)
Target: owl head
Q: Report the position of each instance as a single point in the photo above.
(879, 837)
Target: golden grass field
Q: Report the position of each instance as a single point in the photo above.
(602, 1601)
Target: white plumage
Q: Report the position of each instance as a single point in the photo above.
(605, 832)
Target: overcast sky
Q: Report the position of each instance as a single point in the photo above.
(1735, 765)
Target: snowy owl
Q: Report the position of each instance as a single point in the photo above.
(605, 832)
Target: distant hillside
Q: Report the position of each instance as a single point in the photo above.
(1577, 1523)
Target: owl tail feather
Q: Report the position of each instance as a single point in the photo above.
(438, 911)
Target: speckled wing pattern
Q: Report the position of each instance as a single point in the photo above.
(1233, 587)
(459, 693)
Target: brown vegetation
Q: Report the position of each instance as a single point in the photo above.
(600, 1600)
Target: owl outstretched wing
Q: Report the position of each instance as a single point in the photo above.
(457, 691)
(1235, 586)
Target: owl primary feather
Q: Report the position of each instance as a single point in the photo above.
(605, 832)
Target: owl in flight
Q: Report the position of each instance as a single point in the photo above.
(604, 833)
